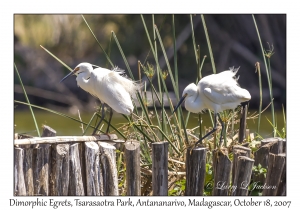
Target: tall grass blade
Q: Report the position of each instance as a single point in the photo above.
(168, 64)
(27, 99)
(65, 65)
(156, 60)
(132, 77)
(123, 55)
(67, 116)
(161, 94)
(284, 125)
(193, 38)
(211, 56)
(175, 64)
(257, 65)
(175, 53)
(89, 123)
(196, 57)
(109, 50)
(268, 76)
(107, 57)
(209, 45)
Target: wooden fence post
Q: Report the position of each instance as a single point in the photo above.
(222, 168)
(261, 156)
(76, 183)
(237, 152)
(242, 130)
(41, 173)
(195, 171)
(282, 185)
(242, 176)
(28, 169)
(275, 144)
(60, 170)
(108, 169)
(20, 188)
(93, 169)
(160, 168)
(47, 132)
(133, 169)
(284, 146)
(275, 169)
(81, 147)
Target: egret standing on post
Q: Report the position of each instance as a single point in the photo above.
(216, 92)
(108, 85)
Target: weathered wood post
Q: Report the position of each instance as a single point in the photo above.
(282, 185)
(275, 144)
(275, 169)
(222, 168)
(242, 130)
(93, 169)
(160, 168)
(40, 159)
(284, 146)
(195, 171)
(48, 131)
(81, 147)
(108, 169)
(76, 182)
(237, 152)
(46, 163)
(261, 156)
(28, 169)
(133, 169)
(20, 188)
(60, 170)
(242, 176)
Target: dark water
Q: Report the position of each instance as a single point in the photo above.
(65, 127)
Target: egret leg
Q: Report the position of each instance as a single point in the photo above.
(102, 117)
(222, 123)
(210, 132)
(110, 116)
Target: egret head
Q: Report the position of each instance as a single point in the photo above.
(190, 90)
(80, 68)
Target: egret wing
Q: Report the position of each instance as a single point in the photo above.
(116, 76)
(111, 91)
(226, 94)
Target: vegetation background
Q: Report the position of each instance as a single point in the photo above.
(233, 39)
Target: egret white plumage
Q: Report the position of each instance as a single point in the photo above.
(216, 92)
(109, 86)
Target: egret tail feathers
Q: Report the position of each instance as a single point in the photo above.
(117, 76)
(234, 70)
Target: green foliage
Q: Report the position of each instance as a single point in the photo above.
(178, 189)
(208, 179)
(280, 133)
(257, 171)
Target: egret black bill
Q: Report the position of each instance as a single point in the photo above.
(70, 74)
(180, 102)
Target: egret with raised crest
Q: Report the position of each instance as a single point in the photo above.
(109, 86)
(217, 92)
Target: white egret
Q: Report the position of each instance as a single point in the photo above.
(109, 86)
(216, 92)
